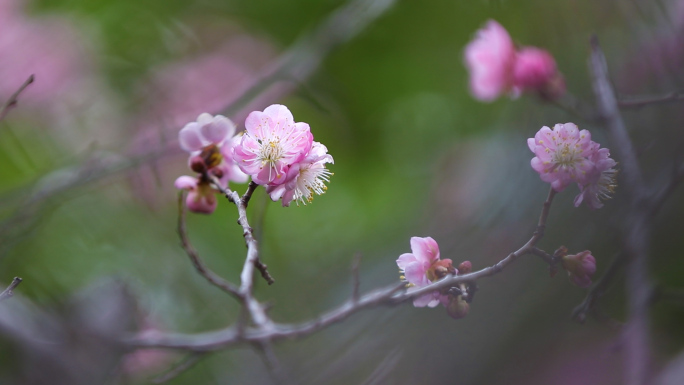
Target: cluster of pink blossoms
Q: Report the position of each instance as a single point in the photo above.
(274, 151)
(567, 155)
(497, 68)
(282, 156)
(209, 141)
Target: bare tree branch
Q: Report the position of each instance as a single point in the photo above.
(201, 268)
(267, 330)
(9, 292)
(14, 99)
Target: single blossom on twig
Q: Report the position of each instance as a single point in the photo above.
(423, 266)
(272, 142)
(561, 155)
(281, 155)
(580, 267)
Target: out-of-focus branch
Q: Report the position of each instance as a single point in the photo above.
(186, 363)
(574, 106)
(636, 230)
(642, 101)
(14, 99)
(201, 268)
(272, 362)
(9, 292)
(598, 289)
(355, 277)
(661, 196)
(306, 55)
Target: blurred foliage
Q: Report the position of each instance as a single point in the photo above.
(415, 155)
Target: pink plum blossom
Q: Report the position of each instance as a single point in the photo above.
(580, 268)
(535, 70)
(304, 178)
(423, 266)
(600, 181)
(201, 195)
(490, 58)
(562, 155)
(271, 144)
(496, 68)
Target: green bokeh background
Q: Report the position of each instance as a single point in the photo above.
(415, 155)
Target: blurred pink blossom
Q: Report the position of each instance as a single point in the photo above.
(497, 69)
(271, 144)
(562, 155)
(47, 47)
(580, 268)
(535, 70)
(209, 141)
(490, 58)
(423, 266)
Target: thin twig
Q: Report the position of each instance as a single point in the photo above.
(272, 362)
(179, 368)
(598, 289)
(201, 268)
(642, 101)
(660, 197)
(9, 292)
(13, 100)
(255, 309)
(355, 277)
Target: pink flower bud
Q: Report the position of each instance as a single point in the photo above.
(535, 70)
(465, 267)
(197, 164)
(580, 267)
(201, 198)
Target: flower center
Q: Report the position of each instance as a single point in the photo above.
(271, 152)
(566, 156)
(311, 180)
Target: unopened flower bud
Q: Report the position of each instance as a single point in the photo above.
(535, 70)
(457, 307)
(197, 164)
(440, 269)
(580, 267)
(465, 267)
(217, 172)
